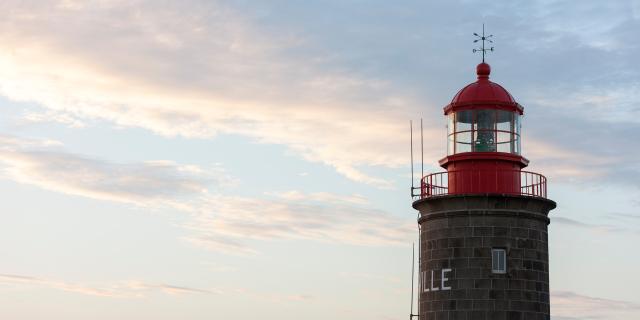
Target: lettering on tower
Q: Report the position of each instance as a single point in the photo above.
(429, 283)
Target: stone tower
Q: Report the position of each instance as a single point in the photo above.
(483, 222)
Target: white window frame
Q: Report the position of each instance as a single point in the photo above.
(499, 260)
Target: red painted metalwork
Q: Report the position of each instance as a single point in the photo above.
(484, 145)
(528, 183)
(493, 172)
(483, 94)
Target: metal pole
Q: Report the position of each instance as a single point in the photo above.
(413, 263)
(411, 137)
(419, 261)
(422, 150)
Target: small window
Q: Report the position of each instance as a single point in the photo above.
(450, 145)
(464, 120)
(463, 141)
(499, 261)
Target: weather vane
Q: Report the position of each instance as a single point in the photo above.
(483, 38)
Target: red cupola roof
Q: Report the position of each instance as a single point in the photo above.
(483, 94)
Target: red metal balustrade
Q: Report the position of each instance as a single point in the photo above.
(437, 184)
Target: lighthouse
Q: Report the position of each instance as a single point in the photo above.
(483, 252)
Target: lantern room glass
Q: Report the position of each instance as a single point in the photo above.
(483, 130)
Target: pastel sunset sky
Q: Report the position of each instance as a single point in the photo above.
(249, 159)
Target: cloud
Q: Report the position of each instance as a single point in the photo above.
(564, 164)
(209, 72)
(273, 296)
(60, 117)
(567, 305)
(563, 19)
(597, 228)
(166, 288)
(8, 142)
(217, 267)
(371, 277)
(624, 216)
(135, 289)
(219, 69)
(127, 289)
(227, 223)
(217, 221)
(138, 183)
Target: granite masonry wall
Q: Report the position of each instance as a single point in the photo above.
(456, 238)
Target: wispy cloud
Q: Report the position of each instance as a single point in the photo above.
(153, 184)
(10, 142)
(595, 227)
(138, 183)
(136, 289)
(211, 73)
(624, 216)
(228, 223)
(216, 70)
(217, 221)
(274, 297)
(567, 305)
(126, 289)
(369, 276)
(217, 267)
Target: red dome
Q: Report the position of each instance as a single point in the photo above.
(483, 93)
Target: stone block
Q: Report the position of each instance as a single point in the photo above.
(514, 315)
(458, 315)
(464, 304)
(482, 231)
(514, 294)
(441, 243)
(520, 232)
(480, 263)
(459, 294)
(499, 283)
(477, 294)
(462, 221)
(481, 252)
(500, 231)
(497, 242)
(478, 315)
(441, 253)
(497, 294)
(459, 263)
(496, 315)
(461, 232)
(456, 242)
(516, 284)
(515, 253)
(473, 242)
(462, 252)
(482, 284)
(483, 305)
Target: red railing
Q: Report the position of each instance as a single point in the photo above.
(515, 182)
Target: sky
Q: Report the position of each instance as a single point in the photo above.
(242, 159)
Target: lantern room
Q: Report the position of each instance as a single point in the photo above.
(483, 130)
(484, 144)
(483, 117)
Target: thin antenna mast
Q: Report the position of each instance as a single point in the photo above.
(411, 135)
(413, 264)
(422, 154)
(419, 273)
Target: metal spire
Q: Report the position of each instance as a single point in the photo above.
(483, 38)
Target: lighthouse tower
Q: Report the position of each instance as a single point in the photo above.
(483, 222)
